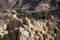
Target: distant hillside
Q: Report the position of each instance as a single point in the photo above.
(30, 5)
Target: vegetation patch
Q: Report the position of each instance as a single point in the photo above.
(39, 15)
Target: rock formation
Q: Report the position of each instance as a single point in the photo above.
(29, 5)
(15, 28)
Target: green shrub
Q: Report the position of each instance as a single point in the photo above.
(39, 15)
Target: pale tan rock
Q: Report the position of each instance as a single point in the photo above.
(28, 29)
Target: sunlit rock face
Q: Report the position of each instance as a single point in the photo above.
(39, 31)
(43, 7)
(14, 28)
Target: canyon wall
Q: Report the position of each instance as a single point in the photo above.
(13, 28)
(30, 5)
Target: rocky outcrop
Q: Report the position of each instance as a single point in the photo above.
(29, 5)
(15, 28)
